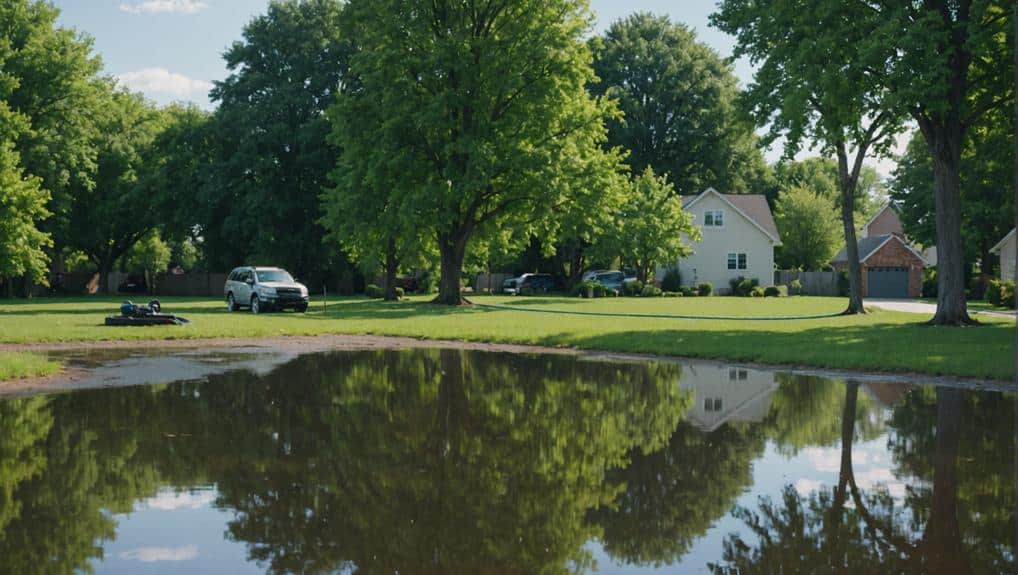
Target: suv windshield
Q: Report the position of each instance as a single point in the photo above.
(273, 276)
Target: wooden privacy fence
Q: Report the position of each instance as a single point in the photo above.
(813, 283)
(490, 282)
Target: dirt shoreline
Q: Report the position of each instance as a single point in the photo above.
(300, 345)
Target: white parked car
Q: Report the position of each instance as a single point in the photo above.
(264, 289)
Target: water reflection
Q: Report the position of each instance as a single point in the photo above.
(440, 461)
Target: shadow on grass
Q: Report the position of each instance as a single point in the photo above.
(911, 347)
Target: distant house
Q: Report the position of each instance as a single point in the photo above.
(738, 239)
(887, 221)
(891, 268)
(1005, 248)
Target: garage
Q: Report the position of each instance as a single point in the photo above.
(887, 282)
(891, 268)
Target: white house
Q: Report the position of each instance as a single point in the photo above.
(738, 239)
(1005, 248)
(727, 393)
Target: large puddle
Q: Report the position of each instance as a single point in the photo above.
(450, 461)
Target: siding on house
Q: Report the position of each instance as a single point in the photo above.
(886, 222)
(709, 261)
(1006, 250)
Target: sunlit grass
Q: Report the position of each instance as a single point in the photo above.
(15, 365)
(882, 340)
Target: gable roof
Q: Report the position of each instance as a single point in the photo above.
(753, 207)
(996, 249)
(889, 204)
(871, 245)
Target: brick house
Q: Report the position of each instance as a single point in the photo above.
(891, 268)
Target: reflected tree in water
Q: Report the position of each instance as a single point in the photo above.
(958, 521)
(674, 495)
(442, 461)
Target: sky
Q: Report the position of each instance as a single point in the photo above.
(172, 50)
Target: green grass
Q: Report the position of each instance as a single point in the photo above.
(15, 365)
(882, 340)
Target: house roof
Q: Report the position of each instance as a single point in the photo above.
(996, 249)
(890, 204)
(753, 207)
(871, 245)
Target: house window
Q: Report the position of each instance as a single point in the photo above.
(737, 260)
(711, 404)
(713, 218)
(737, 374)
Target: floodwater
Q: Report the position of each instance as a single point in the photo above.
(451, 461)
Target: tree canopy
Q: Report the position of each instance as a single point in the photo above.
(677, 97)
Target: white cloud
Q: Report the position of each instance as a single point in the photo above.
(168, 500)
(162, 81)
(154, 554)
(806, 486)
(165, 7)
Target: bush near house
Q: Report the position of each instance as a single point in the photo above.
(633, 288)
(776, 291)
(758, 291)
(705, 289)
(672, 280)
(650, 291)
(1000, 293)
(795, 288)
(743, 286)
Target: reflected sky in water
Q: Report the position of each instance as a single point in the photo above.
(446, 461)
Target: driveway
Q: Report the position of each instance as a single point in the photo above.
(916, 306)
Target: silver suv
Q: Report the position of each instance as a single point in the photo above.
(264, 289)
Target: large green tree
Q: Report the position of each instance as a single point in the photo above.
(677, 96)
(107, 219)
(940, 62)
(810, 233)
(273, 152)
(488, 128)
(650, 228)
(49, 78)
(987, 189)
(22, 208)
(806, 91)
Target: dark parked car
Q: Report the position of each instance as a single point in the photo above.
(539, 283)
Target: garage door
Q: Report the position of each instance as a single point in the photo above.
(887, 282)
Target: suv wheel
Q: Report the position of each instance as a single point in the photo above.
(256, 306)
(231, 304)
(301, 308)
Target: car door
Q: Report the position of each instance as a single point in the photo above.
(242, 291)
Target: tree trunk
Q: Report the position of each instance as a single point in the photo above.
(104, 276)
(943, 550)
(846, 187)
(10, 287)
(452, 249)
(945, 147)
(391, 267)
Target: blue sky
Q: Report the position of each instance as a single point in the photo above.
(172, 49)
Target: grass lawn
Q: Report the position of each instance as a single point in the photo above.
(882, 340)
(14, 365)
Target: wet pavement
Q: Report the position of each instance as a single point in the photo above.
(456, 461)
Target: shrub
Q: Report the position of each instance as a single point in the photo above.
(776, 291)
(705, 289)
(930, 283)
(795, 288)
(843, 285)
(650, 290)
(428, 283)
(757, 291)
(591, 288)
(399, 292)
(671, 294)
(1000, 293)
(672, 281)
(743, 286)
(633, 288)
(373, 291)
